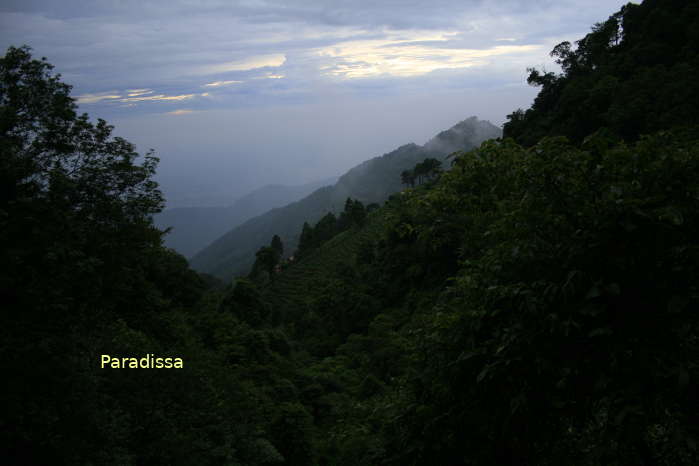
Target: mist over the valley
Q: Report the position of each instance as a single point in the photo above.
(213, 158)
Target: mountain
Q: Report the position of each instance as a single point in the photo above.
(371, 181)
(195, 227)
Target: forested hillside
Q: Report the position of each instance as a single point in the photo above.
(372, 181)
(193, 228)
(634, 74)
(535, 304)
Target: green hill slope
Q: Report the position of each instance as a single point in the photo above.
(292, 291)
(372, 181)
(193, 228)
(534, 305)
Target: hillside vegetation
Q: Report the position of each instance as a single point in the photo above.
(535, 304)
(634, 74)
(193, 228)
(372, 181)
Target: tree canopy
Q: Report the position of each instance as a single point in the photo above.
(423, 171)
(632, 75)
(83, 274)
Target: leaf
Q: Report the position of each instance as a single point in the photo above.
(613, 289)
(672, 215)
(594, 292)
(683, 378)
(600, 332)
(677, 304)
(592, 309)
(482, 374)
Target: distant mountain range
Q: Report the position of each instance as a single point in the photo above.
(371, 181)
(193, 228)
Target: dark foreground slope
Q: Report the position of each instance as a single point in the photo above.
(193, 228)
(529, 307)
(372, 181)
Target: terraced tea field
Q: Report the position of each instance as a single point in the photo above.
(291, 289)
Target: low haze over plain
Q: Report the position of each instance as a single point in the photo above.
(235, 95)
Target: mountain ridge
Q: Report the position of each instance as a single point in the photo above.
(373, 180)
(193, 228)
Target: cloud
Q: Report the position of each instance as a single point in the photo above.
(300, 64)
(138, 92)
(161, 49)
(97, 97)
(159, 97)
(162, 97)
(270, 76)
(181, 111)
(407, 56)
(222, 83)
(251, 63)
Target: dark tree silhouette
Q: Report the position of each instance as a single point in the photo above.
(277, 245)
(407, 177)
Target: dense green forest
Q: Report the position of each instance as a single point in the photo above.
(533, 303)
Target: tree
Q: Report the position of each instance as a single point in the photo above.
(265, 259)
(427, 169)
(306, 239)
(419, 172)
(354, 214)
(245, 303)
(407, 177)
(632, 74)
(79, 256)
(570, 324)
(84, 273)
(431, 167)
(277, 245)
(52, 153)
(325, 229)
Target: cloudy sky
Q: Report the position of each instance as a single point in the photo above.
(236, 94)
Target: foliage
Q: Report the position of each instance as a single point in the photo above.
(267, 259)
(373, 181)
(633, 74)
(327, 227)
(535, 304)
(277, 245)
(426, 170)
(84, 274)
(573, 306)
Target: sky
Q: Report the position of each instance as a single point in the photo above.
(233, 95)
